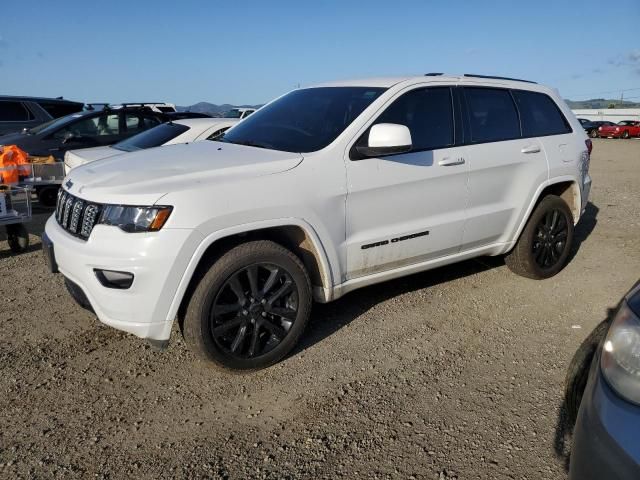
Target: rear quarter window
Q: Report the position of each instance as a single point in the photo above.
(57, 110)
(14, 112)
(539, 114)
(492, 114)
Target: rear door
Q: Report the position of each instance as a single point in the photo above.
(408, 208)
(504, 168)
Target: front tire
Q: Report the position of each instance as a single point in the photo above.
(593, 133)
(544, 244)
(625, 134)
(250, 308)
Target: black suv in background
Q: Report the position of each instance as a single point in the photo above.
(17, 113)
(85, 129)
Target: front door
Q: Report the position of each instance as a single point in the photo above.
(408, 208)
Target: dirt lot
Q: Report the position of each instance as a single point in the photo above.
(454, 373)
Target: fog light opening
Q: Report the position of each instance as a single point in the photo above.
(114, 279)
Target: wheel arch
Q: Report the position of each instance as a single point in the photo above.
(566, 188)
(293, 234)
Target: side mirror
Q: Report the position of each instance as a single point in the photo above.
(386, 139)
(70, 136)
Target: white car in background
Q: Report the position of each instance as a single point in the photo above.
(239, 113)
(178, 131)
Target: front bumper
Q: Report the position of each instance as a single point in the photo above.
(158, 261)
(605, 439)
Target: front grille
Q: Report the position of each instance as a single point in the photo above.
(76, 216)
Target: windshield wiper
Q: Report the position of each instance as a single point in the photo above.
(248, 143)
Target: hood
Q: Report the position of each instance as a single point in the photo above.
(75, 158)
(141, 178)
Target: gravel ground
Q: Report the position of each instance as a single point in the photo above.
(453, 373)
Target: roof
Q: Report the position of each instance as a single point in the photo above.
(38, 99)
(387, 82)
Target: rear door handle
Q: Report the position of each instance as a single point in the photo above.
(448, 162)
(531, 149)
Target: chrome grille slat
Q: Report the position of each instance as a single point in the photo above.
(76, 216)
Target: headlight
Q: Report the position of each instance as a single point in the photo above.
(617, 129)
(620, 362)
(135, 219)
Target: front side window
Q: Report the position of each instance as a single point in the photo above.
(102, 125)
(428, 113)
(14, 112)
(153, 137)
(304, 120)
(539, 114)
(492, 114)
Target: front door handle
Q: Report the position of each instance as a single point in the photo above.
(448, 162)
(531, 149)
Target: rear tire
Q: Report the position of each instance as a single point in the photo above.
(544, 244)
(250, 308)
(17, 237)
(593, 133)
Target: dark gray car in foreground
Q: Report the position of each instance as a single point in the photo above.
(606, 439)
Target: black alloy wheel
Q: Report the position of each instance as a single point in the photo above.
(254, 310)
(550, 239)
(594, 133)
(249, 306)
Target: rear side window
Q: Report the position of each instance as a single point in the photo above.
(492, 114)
(57, 110)
(428, 113)
(14, 112)
(217, 133)
(539, 114)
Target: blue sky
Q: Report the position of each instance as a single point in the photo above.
(243, 51)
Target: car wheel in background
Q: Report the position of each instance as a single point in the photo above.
(47, 196)
(593, 133)
(625, 134)
(250, 308)
(17, 237)
(544, 244)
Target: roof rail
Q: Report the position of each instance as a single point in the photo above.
(433, 74)
(497, 78)
(91, 106)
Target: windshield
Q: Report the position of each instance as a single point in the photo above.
(304, 120)
(154, 137)
(54, 124)
(234, 113)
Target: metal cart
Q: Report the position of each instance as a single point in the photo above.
(15, 211)
(46, 179)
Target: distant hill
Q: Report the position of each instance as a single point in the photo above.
(600, 103)
(211, 108)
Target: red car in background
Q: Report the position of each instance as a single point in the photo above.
(623, 129)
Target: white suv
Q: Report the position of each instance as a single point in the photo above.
(322, 191)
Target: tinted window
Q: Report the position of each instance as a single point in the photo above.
(103, 125)
(57, 110)
(14, 112)
(539, 114)
(303, 120)
(137, 123)
(153, 137)
(427, 113)
(217, 133)
(492, 114)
